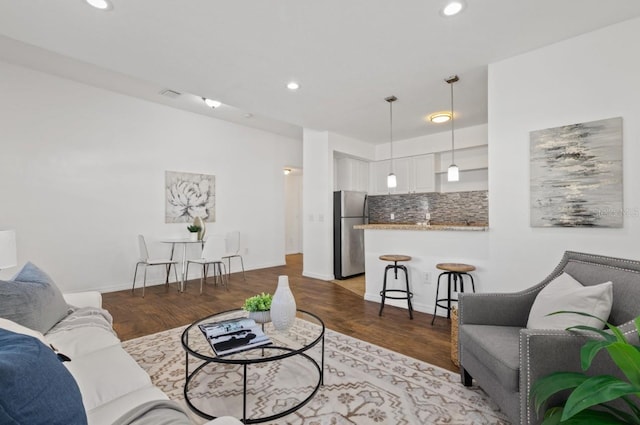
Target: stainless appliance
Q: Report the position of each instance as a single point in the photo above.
(349, 209)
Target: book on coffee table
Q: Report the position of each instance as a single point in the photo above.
(231, 336)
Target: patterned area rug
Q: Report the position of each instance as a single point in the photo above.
(363, 384)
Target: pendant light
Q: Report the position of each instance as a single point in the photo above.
(391, 178)
(453, 174)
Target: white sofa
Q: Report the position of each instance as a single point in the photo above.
(111, 382)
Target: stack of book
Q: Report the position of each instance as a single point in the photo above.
(231, 336)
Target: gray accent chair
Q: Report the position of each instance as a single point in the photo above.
(505, 359)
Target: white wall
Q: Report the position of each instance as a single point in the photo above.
(82, 173)
(587, 78)
(317, 210)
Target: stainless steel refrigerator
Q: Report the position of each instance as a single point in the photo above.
(349, 208)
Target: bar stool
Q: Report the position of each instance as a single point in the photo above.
(404, 294)
(454, 272)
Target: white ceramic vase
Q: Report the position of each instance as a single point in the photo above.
(283, 305)
(193, 236)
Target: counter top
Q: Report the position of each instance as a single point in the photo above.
(393, 226)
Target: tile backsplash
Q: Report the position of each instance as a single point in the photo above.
(445, 208)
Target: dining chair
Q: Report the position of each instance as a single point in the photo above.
(146, 262)
(212, 252)
(233, 250)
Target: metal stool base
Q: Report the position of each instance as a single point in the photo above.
(405, 294)
(451, 284)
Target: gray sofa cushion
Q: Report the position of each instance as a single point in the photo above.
(497, 347)
(32, 299)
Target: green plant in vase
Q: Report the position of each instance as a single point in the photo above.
(259, 307)
(590, 395)
(194, 231)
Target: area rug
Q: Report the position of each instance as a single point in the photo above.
(363, 384)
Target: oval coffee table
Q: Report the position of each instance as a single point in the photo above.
(239, 373)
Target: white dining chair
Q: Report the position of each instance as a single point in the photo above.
(233, 250)
(212, 252)
(146, 262)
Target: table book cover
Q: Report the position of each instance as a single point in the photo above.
(230, 336)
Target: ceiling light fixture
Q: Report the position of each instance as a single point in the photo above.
(213, 104)
(440, 117)
(286, 171)
(453, 174)
(293, 85)
(100, 4)
(453, 8)
(391, 178)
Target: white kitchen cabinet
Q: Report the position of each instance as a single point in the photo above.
(424, 176)
(414, 174)
(378, 172)
(352, 174)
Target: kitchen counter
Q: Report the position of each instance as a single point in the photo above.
(397, 226)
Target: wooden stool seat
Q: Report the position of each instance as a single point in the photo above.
(394, 258)
(456, 267)
(396, 294)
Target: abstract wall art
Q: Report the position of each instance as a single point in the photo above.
(189, 195)
(576, 175)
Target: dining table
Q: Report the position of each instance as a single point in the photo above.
(184, 242)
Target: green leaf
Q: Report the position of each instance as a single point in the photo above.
(608, 336)
(596, 390)
(548, 385)
(627, 357)
(590, 417)
(589, 351)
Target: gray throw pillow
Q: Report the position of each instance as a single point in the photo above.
(32, 299)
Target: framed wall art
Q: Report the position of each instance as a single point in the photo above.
(189, 195)
(576, 175)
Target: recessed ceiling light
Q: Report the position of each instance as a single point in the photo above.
(293, 85)
(440, 117)
(213, 104)
(100, 4)
(453, 8)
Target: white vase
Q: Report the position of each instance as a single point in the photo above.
(193, 236)
(283, 305)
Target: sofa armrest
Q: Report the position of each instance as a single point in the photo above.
(84, 299)
(544, 351)
(497, 309)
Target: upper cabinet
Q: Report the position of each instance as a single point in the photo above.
(414, 174)
(351, 174)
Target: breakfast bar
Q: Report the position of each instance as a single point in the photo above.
(427, 245)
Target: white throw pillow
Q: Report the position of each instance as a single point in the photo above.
(564, 293)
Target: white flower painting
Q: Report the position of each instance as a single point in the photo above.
(576, 175)
(189, 195)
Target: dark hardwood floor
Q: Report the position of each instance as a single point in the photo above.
(343, 311)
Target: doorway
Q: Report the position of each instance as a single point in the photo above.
(293, 211)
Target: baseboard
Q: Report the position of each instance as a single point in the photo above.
(326, 277)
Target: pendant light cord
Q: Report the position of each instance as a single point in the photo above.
(452, 132)
(391, 131)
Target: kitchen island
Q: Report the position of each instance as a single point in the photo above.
(428, 245)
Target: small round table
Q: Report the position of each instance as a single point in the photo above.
(284, 349)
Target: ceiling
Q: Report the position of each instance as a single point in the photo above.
(347, 55)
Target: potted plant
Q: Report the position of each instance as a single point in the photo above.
(195, 230)
(259, 307)
(590, 395)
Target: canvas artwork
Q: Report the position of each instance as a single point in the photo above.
(576, 175)
(189, 195)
